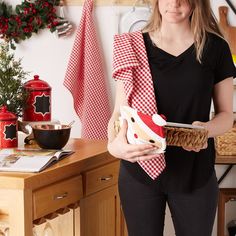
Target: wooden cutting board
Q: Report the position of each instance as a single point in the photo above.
(228, 30)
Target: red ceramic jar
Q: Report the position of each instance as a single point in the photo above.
(8, 129)
(38, 104)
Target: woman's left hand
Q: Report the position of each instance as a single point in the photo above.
(196, 149)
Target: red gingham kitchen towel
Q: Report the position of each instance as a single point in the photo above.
(85, 78)
(130, 65)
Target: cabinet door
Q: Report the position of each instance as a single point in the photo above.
(100, 213)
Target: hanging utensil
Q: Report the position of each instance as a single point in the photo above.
(71, 123)
(134, 19)
(64, 28)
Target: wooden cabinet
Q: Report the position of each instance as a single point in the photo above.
(101, 178)
(100, 208)
(100, 213)
(77, 196)
(55, 196)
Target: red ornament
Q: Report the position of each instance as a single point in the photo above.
(38, 104)
(8, 129)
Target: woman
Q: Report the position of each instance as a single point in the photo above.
(190, 65)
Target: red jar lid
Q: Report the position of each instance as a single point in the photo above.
(36, 84)
(6, 115)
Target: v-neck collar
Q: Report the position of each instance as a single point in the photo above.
(186, 51)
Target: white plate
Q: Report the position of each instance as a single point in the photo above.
(135, 19)
(181, 125)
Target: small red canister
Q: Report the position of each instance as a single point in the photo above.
(38, 104)
(8, 129)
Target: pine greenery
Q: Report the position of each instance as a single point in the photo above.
(12, 78)
(27, 18)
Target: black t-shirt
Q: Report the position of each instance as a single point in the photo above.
(183, 89)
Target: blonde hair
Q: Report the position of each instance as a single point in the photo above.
(202, 21)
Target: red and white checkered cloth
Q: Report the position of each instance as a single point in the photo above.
(85, 78)
(130, 64)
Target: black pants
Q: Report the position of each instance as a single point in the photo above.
(144, 207)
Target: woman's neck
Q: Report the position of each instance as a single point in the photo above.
(175, 32)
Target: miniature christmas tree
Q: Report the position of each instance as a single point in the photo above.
(12, 75)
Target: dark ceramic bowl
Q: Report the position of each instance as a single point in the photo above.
(51, 136)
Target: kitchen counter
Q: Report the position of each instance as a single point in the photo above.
(64, 191)
(88, 154)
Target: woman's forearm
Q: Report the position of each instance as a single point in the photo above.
(220, 123)
(223, 106)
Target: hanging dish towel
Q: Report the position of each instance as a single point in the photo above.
(130, 65)
(85, 79)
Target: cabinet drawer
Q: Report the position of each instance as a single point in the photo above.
(55, 196)
(101, 177)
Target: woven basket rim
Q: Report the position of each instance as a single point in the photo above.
(225, 144)
(186, 129)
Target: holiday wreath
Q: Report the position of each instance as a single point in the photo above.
(27, 18)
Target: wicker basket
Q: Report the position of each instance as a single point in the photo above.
(226, 144)
(192, 138)
(176, 136)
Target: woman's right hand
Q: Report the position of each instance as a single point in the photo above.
(120, 148)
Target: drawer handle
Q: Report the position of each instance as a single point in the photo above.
(60, 196)
(106, 178)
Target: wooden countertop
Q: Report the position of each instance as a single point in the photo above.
(88, 154)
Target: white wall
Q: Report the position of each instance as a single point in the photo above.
(47, 56)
